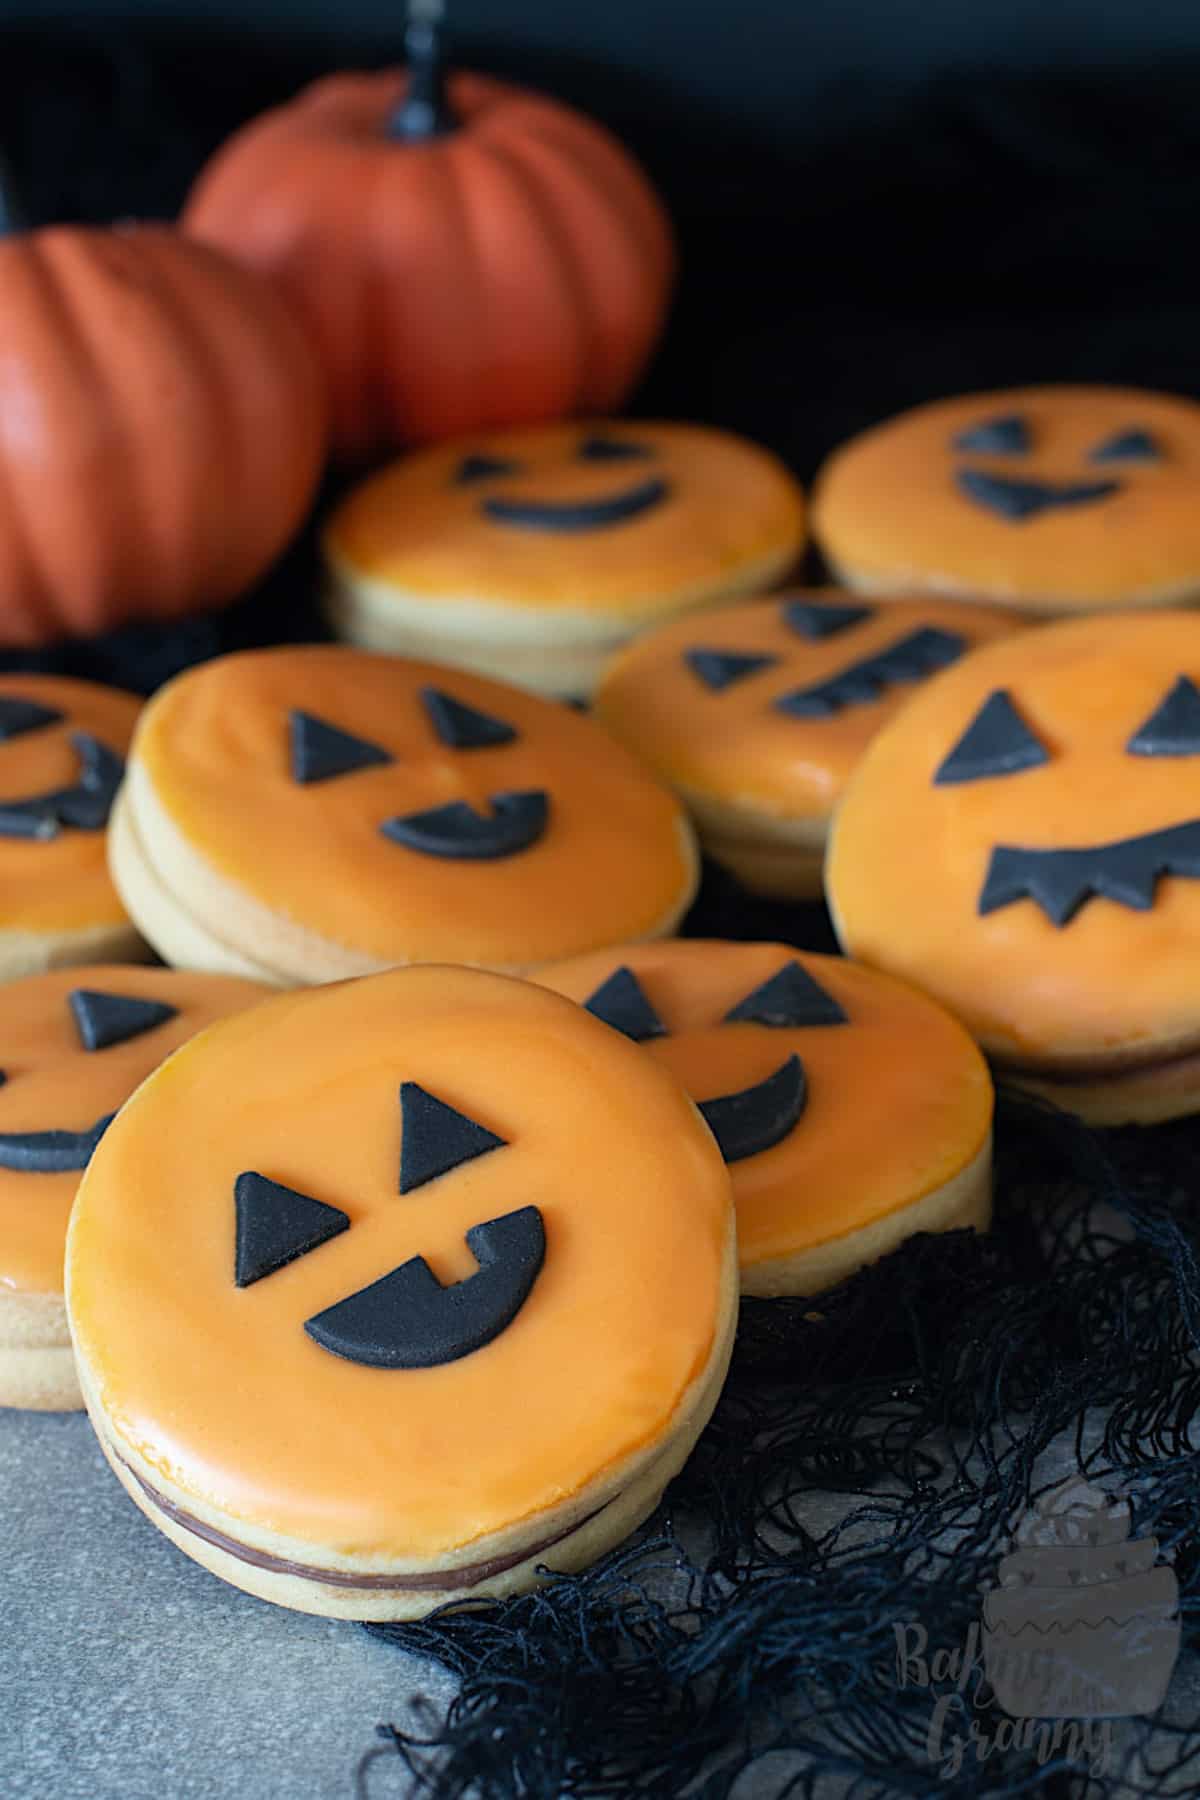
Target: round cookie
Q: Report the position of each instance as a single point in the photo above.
(74, 1044)
(301, 815)
(1023, 841)
(1052, 499)
(533, 555)
(62, 748)
(852, 1110)
(446, 1294)
(756, 714)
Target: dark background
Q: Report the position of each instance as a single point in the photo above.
(877, 202)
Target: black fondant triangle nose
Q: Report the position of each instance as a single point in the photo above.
(276, 1224)
(996, 742)
(463, 727)
(621, 1002)
(790, 997)
(720, 669)
(18, 715)
(1173, 728)
(436, 1137)
(105, 1019)
(320, 750)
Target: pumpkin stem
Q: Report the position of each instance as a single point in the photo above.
(424, 112)
(12, 218)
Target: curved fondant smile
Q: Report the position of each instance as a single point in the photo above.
(1019, 498)
(456, 830)
(51, 1152)
(760, 1116)
(85, 806)
(578, 515)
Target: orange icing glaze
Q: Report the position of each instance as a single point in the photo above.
(908, 859)
(214, 742)
(730, 503)
(899, 1099)
(221, 1389)
(60, 884)
(733, 744)
(54, 1084)
(886, 505)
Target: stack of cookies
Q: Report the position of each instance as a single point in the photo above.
(393, 1233)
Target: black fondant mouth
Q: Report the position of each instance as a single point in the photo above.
(1062, 881)
(408, 1320)
(578, 515)
(758, 1117)
(911, 658)
(1016, 498)
(85, 806)
(457, 831)
(51, 1152)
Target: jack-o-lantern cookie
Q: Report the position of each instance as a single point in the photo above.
(62, 750)
(74, 1043)
(449, 1294)
(301, 815)
(757, 714)
(1052, 499)
(852, 1111)
(533, 555)
(1023, 841)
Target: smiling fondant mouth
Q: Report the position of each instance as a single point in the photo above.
(1020, 498)
(578, 515)
(1062, 881)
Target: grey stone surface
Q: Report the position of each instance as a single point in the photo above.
(127, 1672)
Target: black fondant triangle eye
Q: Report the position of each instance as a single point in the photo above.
(1006, 436)
(996, 742)
(483, 468)
(621, 1002)
(789, 997)
(609, 449)
(320, 750)
(719, 669)
(275, 1225)
(462, 727)
(105, 1019)
(436, 1138)
(1173, 728)
(816, 621)
(18, 715)
(1127, 446)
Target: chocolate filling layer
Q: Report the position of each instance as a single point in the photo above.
(446, 1581)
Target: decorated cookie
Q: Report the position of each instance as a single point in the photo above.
(74, 1044)
(535, 554)
(1053, 499)
(757, 714)
(1024, 842)
(300, 815)
(447, 1298)
(62, 749)
(851, 1110)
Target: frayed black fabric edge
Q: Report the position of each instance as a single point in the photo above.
(729, 1647)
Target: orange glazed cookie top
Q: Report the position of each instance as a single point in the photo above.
(607, 516)
(1059, 497)
(62, 745)
(73, 1046)
(467, 1119)
(891, 1099)
(772, 702)
(1024, 841)
(408, 811)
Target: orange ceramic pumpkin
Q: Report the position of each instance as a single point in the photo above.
(466, 257)
(162, 428)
